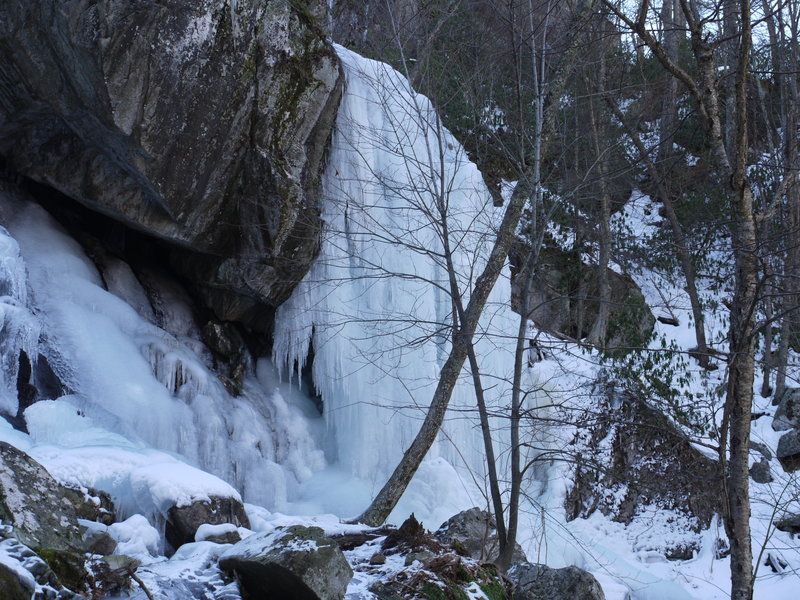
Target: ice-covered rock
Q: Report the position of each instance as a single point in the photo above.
(295, 562)
(539, 582)
(135, 537)
(19, 329)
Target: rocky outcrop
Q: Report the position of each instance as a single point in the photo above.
(630, 459)
(202, 124)
(91, 504)
(32, 502)
(787, 415)
(538, 582)
(563, 299)
(788, 451)
(296, 562)
(474, 532)
(447, 576)
(184, 521)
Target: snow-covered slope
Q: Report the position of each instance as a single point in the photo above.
(143, 415)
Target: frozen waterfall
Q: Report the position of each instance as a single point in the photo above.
(375, 310)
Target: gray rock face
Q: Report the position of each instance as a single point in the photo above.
(474, 531)
(92, 505)
(556, 304)
(32, 502)
(787, 416)
(297, 562)
(760, 471)
(538, 582)
(789, 451)
(183, 521)
(201, 123)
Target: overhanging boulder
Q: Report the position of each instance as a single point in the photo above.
(200, 123)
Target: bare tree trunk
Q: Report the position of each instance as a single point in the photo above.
(742, 331)
(730, 161)
(789, 120)
(390, 494)
(598, 333)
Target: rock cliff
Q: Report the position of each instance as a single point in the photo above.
(202, 124)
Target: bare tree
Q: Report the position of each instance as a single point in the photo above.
(389, 495)
(730, 161)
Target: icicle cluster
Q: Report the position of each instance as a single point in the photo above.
(376, 306)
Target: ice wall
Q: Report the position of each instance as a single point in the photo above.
(19, 329)
(134, 385)
(376, 308)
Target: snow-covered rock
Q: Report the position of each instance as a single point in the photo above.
(295, 562)
(539, 582)
(24, 575)
(787, 415)
(183, 521)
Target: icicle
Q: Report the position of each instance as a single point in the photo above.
(19, 328)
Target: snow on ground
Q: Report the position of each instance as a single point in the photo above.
(146, 419)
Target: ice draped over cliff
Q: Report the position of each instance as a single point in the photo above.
(374, 311)
(140, 395)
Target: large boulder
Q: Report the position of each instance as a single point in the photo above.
(538, 582)
(201, 123)
(788, 451)
(33, 504)
(563, 298)
(296, 562)
(787, 415)
(474, 531)
(184, 521)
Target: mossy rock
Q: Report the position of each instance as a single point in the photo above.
(69, 567)
(445, 577)
(12, 586)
